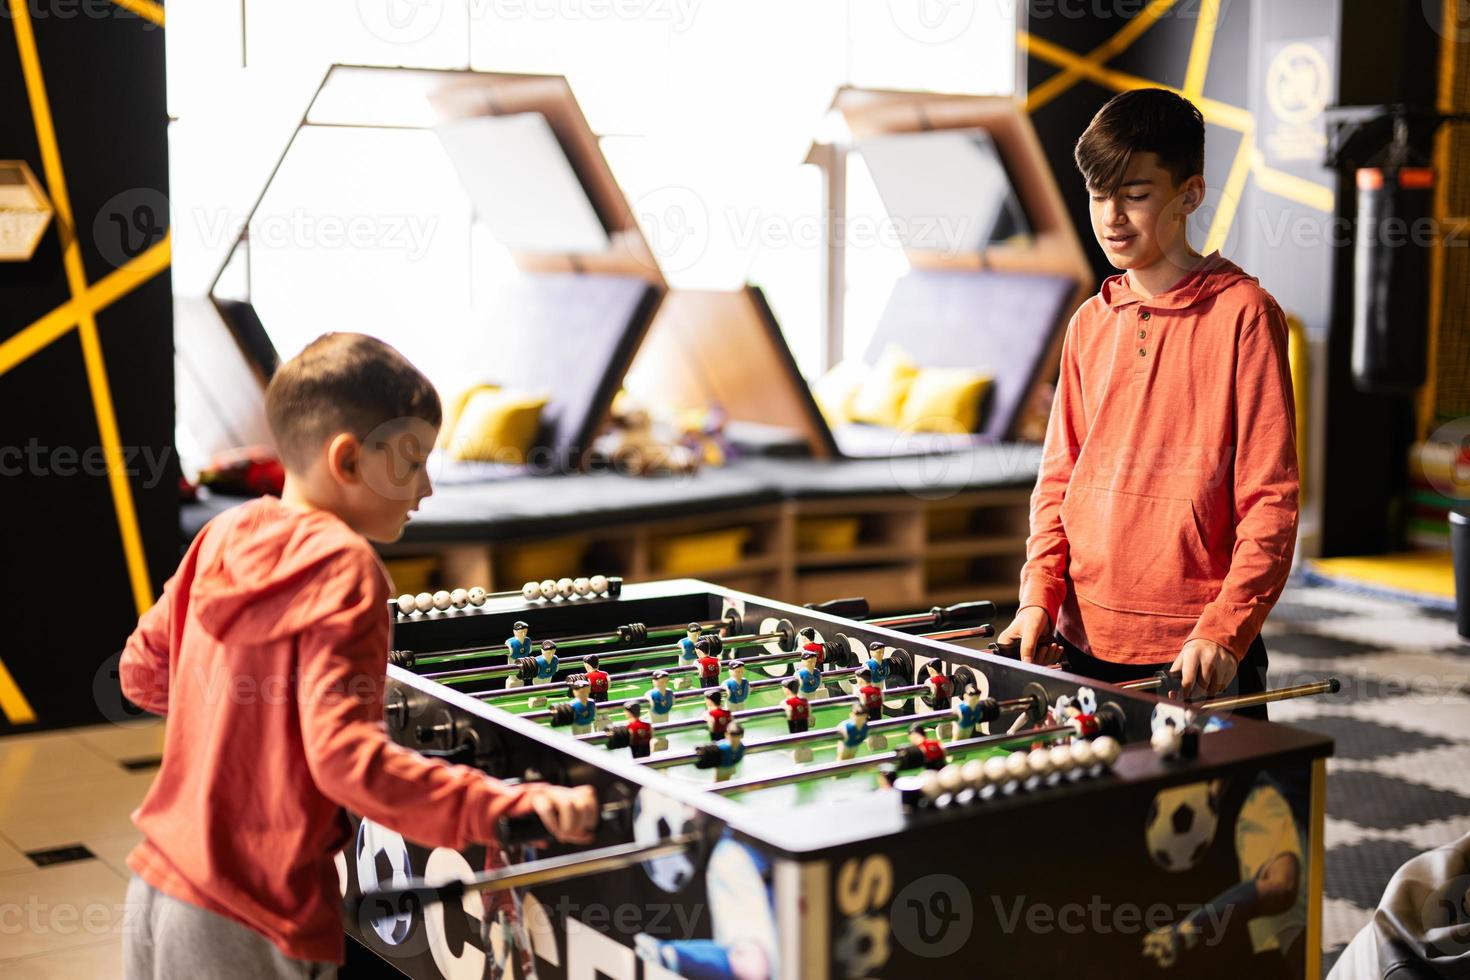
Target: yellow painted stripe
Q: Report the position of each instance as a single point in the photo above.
(1200, 48)
(1219, 113)
(1230, 195)
(1305, 192)
(17, 709)
(117, 475)
(1100, 55)
(99, 296)
(1428, 397)
(1317, 834)
(147, 9)
(122, 492)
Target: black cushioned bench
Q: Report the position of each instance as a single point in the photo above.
(536, 506)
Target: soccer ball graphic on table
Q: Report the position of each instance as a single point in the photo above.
(382, 862)
(1181, 825)
(656, 817)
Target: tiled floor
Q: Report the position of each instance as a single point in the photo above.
(1397, 785)
(66, 920)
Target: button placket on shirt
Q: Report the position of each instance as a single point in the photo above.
(1143, 317)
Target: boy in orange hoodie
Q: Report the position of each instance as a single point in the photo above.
(268, 653)
(1164, 518)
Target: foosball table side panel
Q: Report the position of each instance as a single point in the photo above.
(1211, 878)
(733, 912)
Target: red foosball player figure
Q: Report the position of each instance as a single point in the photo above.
(870, 695)
(810, 644)
(798, 712)
(933, 751)
(709, 665)
(640, 732)
(941, 689)
(596, 679)
(715, 716)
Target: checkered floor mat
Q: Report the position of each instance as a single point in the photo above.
(1399, 783)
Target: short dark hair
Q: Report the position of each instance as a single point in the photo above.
(343, 382)
(1145, 120)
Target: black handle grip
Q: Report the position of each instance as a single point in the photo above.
(527, 829)
(1011, 649)
(853, 607)
(963, 612)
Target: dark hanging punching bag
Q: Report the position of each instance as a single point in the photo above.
(1391, 278)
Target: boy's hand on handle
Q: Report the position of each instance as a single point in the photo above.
(569, 813)
(1205, 668)
(1032, 629)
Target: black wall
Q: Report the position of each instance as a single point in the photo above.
(73, 601)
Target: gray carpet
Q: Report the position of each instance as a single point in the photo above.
(1399, 783)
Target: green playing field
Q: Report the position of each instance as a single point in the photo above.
(819, 749)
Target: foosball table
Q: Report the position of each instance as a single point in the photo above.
(810, 792)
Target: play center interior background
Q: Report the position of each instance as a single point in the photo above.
(765, 294)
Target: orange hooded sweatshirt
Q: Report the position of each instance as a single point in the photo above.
(268, 652)
(1166, 506)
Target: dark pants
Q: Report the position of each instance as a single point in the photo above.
(1250, 677)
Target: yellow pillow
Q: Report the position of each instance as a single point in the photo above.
(944, 400)
(496, 425)
(835, 390)
(879, 400)
(454, 408)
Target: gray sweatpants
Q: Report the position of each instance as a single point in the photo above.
(173, 940)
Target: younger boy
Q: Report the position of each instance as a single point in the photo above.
(268, 652)
(1165, 514)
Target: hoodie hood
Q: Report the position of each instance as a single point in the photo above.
(1214, 274)
(262, 572)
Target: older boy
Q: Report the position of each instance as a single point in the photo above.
(1165, 515)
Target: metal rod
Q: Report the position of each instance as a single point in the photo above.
(666, 760)
(626, 656)
(699, 691)
(854, 765)
(964, 633)
(686, 724)
(601, 860)
(1330, 686)
(1142, 684)
(569, 642)
(632, 675)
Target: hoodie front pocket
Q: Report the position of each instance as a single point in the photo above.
(1137, 553)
